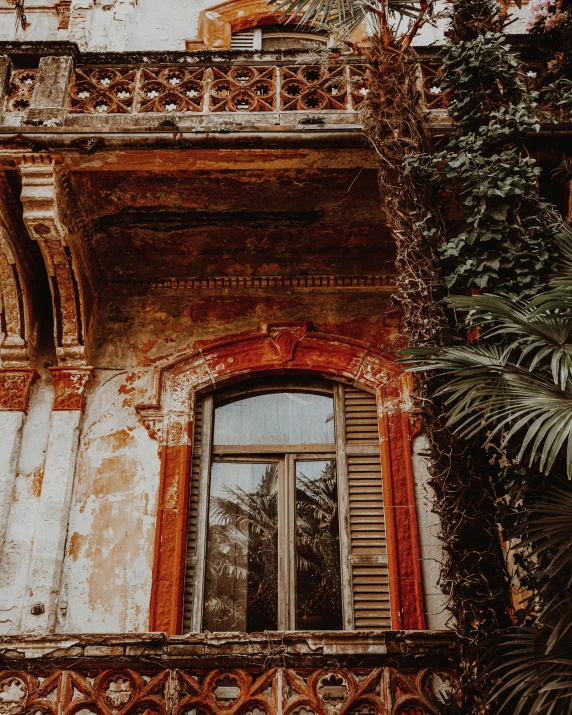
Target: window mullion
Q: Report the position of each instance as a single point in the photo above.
(291, 543)
(283, 569)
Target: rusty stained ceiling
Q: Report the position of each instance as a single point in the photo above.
(152, 225)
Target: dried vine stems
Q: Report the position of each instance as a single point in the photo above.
(473, 571)
(395, 122)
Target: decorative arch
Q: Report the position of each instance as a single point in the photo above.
(218, 23)
(280, 348)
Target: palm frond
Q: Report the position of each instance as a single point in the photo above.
(534, 665)
(485, 391)
(540, 337)
(545, 528)
(328, 13)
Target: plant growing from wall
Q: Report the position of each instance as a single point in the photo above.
(514, 388)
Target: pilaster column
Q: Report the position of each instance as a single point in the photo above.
(121, 25)
(52, 89)
(40, 606)
(81, 15)
(15, 388)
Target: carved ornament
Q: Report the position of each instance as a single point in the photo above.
(261, 691)
(15, 388)
(274, 347)
(64, 13)
(71, 384)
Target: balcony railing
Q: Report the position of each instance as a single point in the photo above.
(227, 674)
(202, 93)
(230, 89)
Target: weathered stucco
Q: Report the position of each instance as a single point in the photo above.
(138, 24)
(109, 557)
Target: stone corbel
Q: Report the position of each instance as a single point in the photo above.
(70, 384)
(63, 9)
(43, 219)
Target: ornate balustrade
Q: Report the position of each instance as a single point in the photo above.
(217, 93)
(225, 89)
(291, 674)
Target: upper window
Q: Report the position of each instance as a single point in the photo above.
(277, 37)
(278, 470)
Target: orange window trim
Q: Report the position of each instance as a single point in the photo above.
(284, 348)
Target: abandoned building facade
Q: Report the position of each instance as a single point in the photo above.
(213, 489)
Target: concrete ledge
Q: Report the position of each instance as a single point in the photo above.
(228, 649)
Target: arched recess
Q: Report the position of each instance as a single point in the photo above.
(280, 349)
(18, 324)
(218, 23)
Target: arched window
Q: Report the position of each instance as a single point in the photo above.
(277, 37)
(286, 520)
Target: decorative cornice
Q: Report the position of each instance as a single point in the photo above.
(70, 383)
(386, 282)
(15, 388)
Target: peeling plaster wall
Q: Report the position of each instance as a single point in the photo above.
(109, 555)
(430, 544)
(107, 576)
(166, 25)
(161, 25)
(15, 556)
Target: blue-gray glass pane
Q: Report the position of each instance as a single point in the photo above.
(276, 418)
(241, 584)
(318, 582)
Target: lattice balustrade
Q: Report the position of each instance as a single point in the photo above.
(128, 91)
(434, 96)
(22, 83)
(103, 91)
(312, 87)
(359, 86)
(171, 90)
(257, 691)
(233, 89)
(243, 89)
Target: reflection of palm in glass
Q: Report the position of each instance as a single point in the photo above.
(318, 587)
(242, 558)
(242, 555)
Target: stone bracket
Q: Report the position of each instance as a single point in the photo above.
(15, 388)
(42, 216)
(70, 384)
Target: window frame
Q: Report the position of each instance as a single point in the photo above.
(286, 455)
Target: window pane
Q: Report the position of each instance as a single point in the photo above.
(276, 418)
(241, 584)
(318, 583)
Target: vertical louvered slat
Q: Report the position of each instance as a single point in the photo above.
(368, 550)
(192, 524)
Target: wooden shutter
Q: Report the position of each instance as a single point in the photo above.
(192, 526)
(368, 549)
